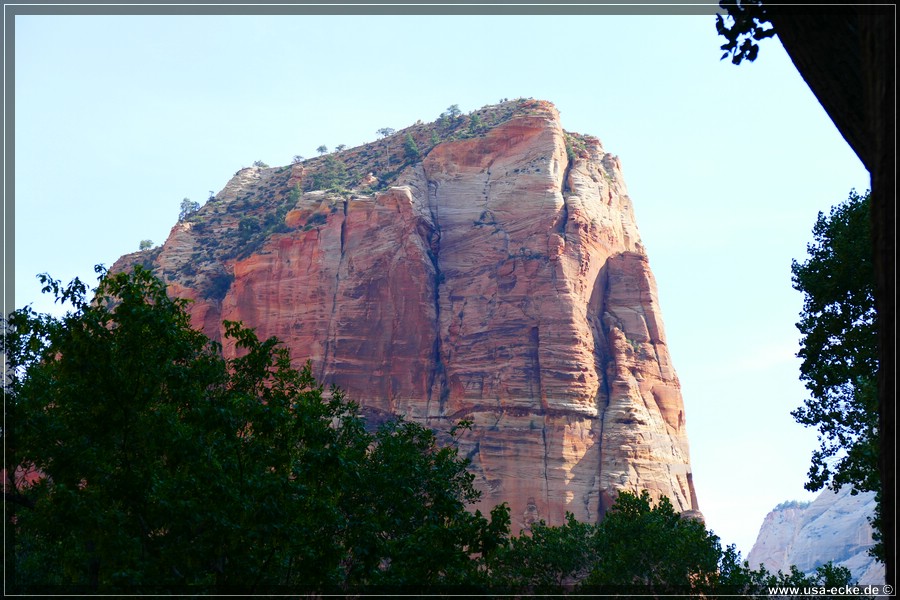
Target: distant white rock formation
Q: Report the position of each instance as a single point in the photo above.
(834, 527)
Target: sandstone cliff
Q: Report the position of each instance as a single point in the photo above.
(834, 527)
(490, 271)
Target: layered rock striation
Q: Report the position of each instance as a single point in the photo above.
(491, 271)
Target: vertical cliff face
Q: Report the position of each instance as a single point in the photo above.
(834, 527)
(500, 278)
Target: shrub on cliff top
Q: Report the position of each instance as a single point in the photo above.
(187, 208)
(410, 148)
(331, 175)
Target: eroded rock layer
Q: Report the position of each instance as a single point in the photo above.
(500, 278)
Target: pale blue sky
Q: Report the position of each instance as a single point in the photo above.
(118, 118)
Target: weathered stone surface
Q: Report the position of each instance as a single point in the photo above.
(834, 527)
(501, 280)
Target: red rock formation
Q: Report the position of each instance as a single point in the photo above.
(501, 280)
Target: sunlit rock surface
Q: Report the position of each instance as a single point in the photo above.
(498, 278)
(834, 527)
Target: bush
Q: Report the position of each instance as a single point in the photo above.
(188, 208)
(218, 286)
(247, 227)
(331, 175)
(316, 219)
(410, 148)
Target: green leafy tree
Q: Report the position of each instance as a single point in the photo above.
(164, 465)
(139, 459)
(248, 226)
(646, 546)
(638, 548)
(450, 116)
(188, 208)
(145, 244)
(743, 26)
(297, 159)
(158, 466)
(415, 529)
(736, 578)
(385, 131)
(340, 147)
(854, 100)
(475, 124)
(839, 349)
(260, 164)
(323, 149)
(547, 559)
(331, 175)
(410, 148)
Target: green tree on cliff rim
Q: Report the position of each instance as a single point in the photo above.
(410, 148)
(188, 208)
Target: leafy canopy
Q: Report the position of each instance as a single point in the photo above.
(639, 548)
(839, 349)
(745, 24)
(410, 148)
(155, 465)
(188, 208)
(140, 460)
(331, 175)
